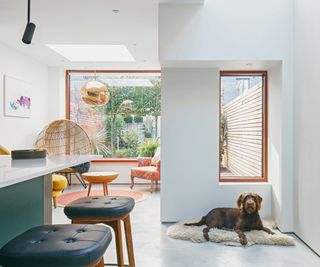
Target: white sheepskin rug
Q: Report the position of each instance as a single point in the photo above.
(230, 238)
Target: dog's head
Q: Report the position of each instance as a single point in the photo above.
(249, 202)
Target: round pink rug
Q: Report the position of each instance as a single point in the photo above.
(66, 198)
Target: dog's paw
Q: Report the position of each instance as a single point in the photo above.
(243, 241)
(206, 236)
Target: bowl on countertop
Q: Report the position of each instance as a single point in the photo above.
(28, 154)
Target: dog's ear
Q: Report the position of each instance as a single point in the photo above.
(258, 200)
(240, 200)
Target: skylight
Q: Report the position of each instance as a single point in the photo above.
(93, 53)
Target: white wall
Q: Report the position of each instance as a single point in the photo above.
(189, 147)
(307, 122)
(19, 133)
(275, 140)
(57, 93)
(191, 36)
(226, 30)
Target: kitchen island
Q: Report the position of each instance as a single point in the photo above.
(25, 191)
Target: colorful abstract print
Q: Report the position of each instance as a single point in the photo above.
(22, 102)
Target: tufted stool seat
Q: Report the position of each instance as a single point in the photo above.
(107, 210)
(57, 246)
(99, 207)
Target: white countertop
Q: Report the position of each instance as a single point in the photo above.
(17, 171)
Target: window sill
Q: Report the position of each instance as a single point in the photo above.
(115, 160)
(226, 179)
(262, 183)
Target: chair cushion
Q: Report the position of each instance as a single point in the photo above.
(99, 207)
(81, 168)
(56, 193)
(59, 182)
(148, 172)
(156, 157)
(145, 169)
(144, 161)
(57, 245)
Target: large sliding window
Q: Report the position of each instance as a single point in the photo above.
(243, 126)
(129, 124)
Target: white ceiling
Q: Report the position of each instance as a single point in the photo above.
(236, 65)
(94, 22)
(84, 22)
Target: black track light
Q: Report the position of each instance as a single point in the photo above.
(30, 28)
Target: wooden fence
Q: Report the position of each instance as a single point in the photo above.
(244, 116)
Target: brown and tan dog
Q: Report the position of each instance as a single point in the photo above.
(244, 218)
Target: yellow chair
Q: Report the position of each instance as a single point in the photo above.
(4, 151)
(59, 183)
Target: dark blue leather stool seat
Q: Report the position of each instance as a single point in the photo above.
(99, 207)
(56, 246)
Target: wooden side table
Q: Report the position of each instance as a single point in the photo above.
(100, 178)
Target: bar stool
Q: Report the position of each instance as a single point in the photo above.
(58, 246)
(110, 211)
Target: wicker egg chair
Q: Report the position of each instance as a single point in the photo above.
(65, 137)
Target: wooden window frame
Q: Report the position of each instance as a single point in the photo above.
(264, 177)
(67, 93)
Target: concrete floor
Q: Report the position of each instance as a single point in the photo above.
(154, 249)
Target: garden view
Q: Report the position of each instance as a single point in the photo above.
(129, 124)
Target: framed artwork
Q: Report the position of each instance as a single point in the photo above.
(17, 98)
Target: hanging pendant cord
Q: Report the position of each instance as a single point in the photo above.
(29, 11)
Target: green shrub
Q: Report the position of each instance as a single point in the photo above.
(138, 119)
(148, 148)
(131, 139)
(128, 119)
(121, 153)
(147, 134)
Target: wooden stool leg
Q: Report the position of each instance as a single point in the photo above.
(89, 189)
(101, 263)
(104, 189)
(107, 191)
(127, 228)
(54, 202)
(116, 225)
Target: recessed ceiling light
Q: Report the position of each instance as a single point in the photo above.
(116, 11)
(93, 53)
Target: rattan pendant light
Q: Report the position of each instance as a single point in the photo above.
(63, 137)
